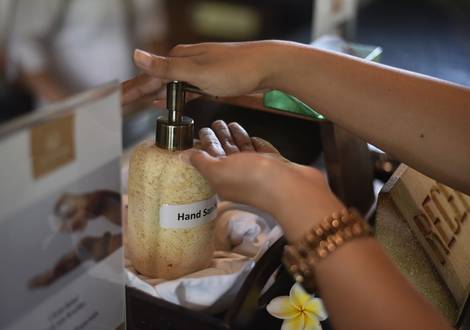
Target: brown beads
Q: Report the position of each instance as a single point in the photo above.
(323, 239)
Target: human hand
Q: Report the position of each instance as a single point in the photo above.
(298, 196)
(222, 140)
(219, 69)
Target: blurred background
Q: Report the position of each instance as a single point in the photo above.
(50, 49)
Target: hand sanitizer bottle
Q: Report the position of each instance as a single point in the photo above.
(171, 206)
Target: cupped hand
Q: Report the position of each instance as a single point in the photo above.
(219, 69)
(222, 140)
(251, 171)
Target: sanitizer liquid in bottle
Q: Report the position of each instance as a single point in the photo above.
(171, 207)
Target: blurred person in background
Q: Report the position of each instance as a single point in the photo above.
(61, 47)
(15, 98)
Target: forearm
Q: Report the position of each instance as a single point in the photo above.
(360, 286)
(362, 289)
(421, 121)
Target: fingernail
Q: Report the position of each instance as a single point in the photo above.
(142, 58)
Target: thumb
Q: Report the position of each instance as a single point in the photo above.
(201, 160)
(167, 68)
(263, 146)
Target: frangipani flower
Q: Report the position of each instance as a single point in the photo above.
(300, 311)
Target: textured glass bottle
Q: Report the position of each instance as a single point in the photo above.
(171, 206)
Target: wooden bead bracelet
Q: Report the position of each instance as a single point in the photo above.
(302, 257)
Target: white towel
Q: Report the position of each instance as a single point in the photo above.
(242, 235)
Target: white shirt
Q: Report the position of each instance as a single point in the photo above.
(91, 47)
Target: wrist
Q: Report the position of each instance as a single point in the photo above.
(279, 63)
(301, 204)
(275, 61)
(297, 219)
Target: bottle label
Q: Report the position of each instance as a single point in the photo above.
(188, 215)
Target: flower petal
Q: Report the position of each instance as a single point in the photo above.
(282, 308)
(296, 323)
(315, 306)
(298, 296)
(311, 322)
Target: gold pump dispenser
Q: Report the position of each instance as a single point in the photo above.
(175, 131)
(170, 227)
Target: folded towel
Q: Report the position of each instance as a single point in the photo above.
(242, 235)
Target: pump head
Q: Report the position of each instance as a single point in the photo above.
(175, 131)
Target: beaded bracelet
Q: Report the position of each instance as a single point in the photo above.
(302, 257)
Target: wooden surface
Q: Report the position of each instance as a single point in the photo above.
(255, 102)
(349, 167)
(252, 102)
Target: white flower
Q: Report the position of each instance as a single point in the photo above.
(300, 311)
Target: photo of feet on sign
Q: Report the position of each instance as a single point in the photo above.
(72, 213)
(48, 246)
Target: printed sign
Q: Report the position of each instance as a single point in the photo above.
(60, 216)
(52, 144)
(439, 217)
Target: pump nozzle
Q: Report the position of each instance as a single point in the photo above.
(175, 100)
(175, 131)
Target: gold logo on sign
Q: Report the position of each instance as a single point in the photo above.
(441, 227)
(52, 145)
